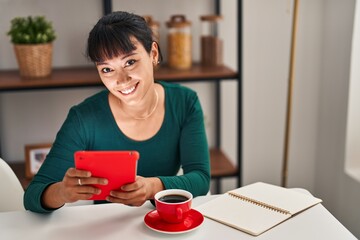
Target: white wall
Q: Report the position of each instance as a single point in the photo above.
(340, 192)
(320, 89)
(352, 154)
(265, 62)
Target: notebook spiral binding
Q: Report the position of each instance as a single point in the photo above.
(259, 203)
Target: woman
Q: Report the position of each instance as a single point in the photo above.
(162, 121)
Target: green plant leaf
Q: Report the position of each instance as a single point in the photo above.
(31, 30)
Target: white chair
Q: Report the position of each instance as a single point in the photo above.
(11, 190)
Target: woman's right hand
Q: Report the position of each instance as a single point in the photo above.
(76, 185)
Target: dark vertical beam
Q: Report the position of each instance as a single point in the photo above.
(217, 96)
(217, 128)
(218, 113)
(107, 6)
(218, 110)
(217, 7)
(239, 91)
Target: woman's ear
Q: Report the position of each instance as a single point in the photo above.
(155, 53)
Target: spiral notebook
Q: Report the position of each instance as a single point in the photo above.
(257, 207)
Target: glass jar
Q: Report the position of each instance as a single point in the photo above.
(211, 44)
(179, 42)
(154, 26)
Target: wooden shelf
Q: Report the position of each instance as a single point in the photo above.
(10, 80)
(221, 166)
(196, 72)
(61, 77)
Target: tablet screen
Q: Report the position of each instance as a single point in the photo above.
(119, 167)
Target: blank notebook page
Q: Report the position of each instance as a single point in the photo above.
(279, 197)
(243, 215)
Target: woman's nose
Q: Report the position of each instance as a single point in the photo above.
(123, 76)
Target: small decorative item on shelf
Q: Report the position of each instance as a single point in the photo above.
(154, 26)
(35, 155)
(211, 44)
(32, 38)
(179, 42)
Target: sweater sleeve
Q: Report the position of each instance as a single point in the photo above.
(60, 158)
(194, 153)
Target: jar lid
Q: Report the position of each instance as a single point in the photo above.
(150, 21)
(178, 21)
(211, 18)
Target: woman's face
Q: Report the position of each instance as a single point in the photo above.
(129, 76)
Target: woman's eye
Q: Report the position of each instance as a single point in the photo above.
(130, 62)
(106, 70)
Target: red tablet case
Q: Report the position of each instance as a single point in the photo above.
(119, 167)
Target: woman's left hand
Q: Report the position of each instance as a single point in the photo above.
(136, 193)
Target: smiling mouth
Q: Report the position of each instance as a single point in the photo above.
(128, 90)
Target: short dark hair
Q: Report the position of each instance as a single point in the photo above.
(111, 36)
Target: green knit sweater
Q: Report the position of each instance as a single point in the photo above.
(180, 142)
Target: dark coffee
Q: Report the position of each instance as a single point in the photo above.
(173, 198)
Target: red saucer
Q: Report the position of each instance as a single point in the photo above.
(190, 223)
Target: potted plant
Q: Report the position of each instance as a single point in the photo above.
(32, 38)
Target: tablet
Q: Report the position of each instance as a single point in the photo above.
(119, 167)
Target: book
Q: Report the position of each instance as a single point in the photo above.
(257, 207)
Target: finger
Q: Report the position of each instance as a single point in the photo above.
(123, 195)
(88, 190)
(139, 183)
(130, 187)
(73, 172)
(90, 181)
(118, 200)
(84, 196)
(128, 196)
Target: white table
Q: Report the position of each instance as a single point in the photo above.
(114, 221)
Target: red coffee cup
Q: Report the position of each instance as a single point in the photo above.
(173, 205)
